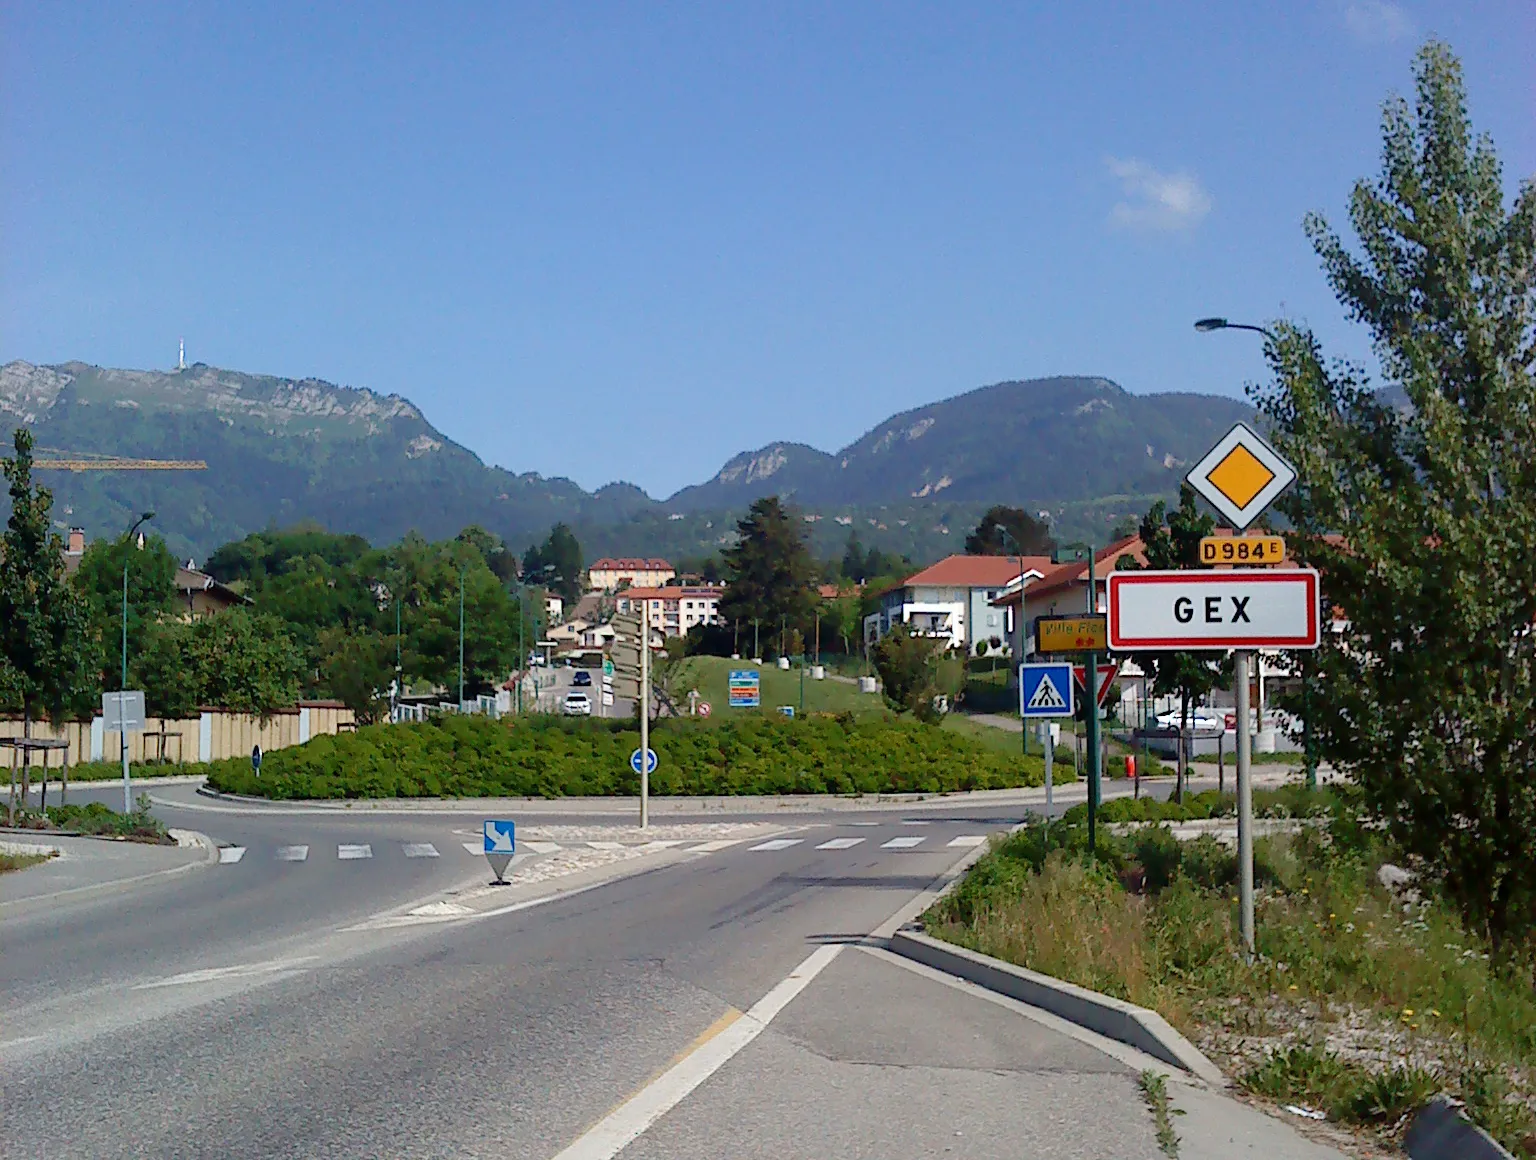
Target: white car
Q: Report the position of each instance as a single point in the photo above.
(577, 704)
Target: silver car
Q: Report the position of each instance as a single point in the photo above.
(577, 704)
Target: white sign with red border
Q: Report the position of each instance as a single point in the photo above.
(1150, 611)
(1107, 675)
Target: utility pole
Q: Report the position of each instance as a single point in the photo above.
(461, 639)
(122, 700)
(1091, 710)
(399, 669)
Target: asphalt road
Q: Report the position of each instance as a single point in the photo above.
(262, 1007)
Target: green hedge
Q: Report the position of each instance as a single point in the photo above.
(452, 756)
(1290, 801)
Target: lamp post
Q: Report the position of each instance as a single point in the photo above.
(1205, 326)
(1018, 660)
(122, 735)
(462, 569)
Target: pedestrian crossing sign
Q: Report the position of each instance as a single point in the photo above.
(1045, 690)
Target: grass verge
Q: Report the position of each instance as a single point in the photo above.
(1361, 1003)
(9, 862)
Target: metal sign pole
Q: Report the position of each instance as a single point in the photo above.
(122, 725)
(1045, 744)
(1244, 803)
(645, 719)
(1092, 713)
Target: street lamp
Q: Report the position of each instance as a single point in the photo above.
(122, 735)
(1019, 625)
(1205, 326)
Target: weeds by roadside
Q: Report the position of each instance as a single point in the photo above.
(1362, 1003)
(1154, 1089)
(9, 862)
(98, 820)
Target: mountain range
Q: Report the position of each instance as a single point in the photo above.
(280, 450)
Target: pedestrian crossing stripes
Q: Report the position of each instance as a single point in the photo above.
(356, 851)
(840, 844)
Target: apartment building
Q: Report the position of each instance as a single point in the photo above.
(673, 611)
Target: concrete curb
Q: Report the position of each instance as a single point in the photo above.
(146, 780)
(1145, 1030)
(192, 838)
(1441, 1132)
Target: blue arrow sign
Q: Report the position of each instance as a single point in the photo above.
(1045, 690)
(650, 761)
(500, 837)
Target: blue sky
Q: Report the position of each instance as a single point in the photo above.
(628, 241)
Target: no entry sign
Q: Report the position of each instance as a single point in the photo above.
(1213, 610)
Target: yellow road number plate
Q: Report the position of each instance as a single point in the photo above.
(1220, 550)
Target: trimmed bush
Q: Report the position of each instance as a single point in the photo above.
(453, 756)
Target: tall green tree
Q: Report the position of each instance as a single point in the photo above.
(1171, 540)
(1024, 534)
(918, 674)
(558, 558)
(770, 573)
(1426, 697)
(490, 632)
(244, 661)
(854, 558)
(151, 595)
(46, 652)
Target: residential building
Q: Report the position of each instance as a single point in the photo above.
(1061, 590)
(607, 574)
(554, 608)
(954, 600)
(672, 611)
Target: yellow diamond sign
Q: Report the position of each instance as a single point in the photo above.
(1241, 476)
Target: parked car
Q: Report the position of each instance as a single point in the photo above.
(582, 679)
(577, 704)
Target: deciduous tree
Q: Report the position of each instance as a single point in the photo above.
(1024, 534)
(1426, 697)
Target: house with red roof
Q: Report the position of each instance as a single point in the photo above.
(1061, 590)
(607, 574)
(953, 600)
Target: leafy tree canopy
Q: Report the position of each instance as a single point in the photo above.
(770, 571)
(557, 564)
(1427, 696)
(1009, 531)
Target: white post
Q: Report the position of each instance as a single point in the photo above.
(645, 720)
(1244, 802)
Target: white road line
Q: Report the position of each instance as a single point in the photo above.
(916, 822)
(419, 850)
(475, 848)
(538, 847)
(717, 844)
(840, 844)
(244, 970)
(229, 855)
(778, 844)
(606, 845)
(864, 823)
(622, 1126)
(292, 853)
(348, 853)
(966, 841)
(662, 844)
(901, 843)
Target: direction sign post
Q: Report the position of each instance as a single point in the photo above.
(123, 712)
(1045, 691)
(500, 846)
(1239, 609)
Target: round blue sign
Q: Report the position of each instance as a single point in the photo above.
(650, 761)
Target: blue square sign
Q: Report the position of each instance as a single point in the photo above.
(1045, 690)
(500, 837)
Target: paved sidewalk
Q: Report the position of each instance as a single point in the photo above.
(86, 863)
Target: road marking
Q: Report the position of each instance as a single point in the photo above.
(915, 822)
(902, 843)
(539, 847)
(662, 844)
(292, 853)
(419, 850)
(864, 823)
(348, 853)
(214, 974)
(840, 844)
(966, 841)
(778, 844)
(606, 845)
(229, 855)
(475, 848)
(710, 1052)
(717, 844)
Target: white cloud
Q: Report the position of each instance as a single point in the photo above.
(1377, 21)
(1155, 200)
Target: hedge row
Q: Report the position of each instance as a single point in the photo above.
(1289, 801)
(453, 756)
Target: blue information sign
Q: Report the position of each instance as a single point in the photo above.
(1045, 690)
(745, 691)
(650, 761)
(500, 837)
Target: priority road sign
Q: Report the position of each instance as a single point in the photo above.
(1241, 476)
(1045, 690)
(1107, 675)
(650, 761)
(500, 844)
(1176, 611)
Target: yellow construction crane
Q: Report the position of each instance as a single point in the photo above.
(79, 462)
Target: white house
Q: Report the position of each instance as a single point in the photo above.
(953, 600)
